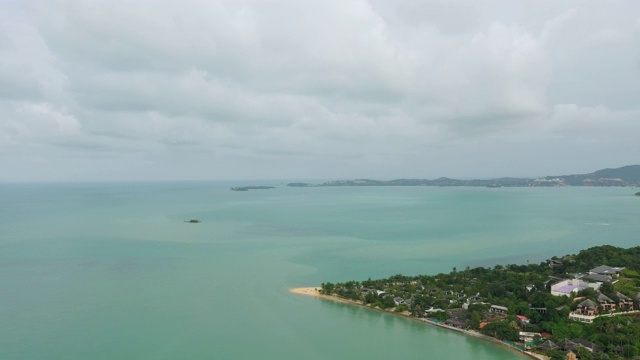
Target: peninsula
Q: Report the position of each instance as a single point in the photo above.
(584, 305)
(623, 176)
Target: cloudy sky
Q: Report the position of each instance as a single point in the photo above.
(157, 90)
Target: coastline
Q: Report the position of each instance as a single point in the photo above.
(314, 292)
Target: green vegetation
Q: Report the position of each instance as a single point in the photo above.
(623, 176)
(464, 299)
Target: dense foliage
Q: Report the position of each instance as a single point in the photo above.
(523, 290)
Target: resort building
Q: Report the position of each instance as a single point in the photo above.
(398, 300)
(606, 270)
(496, 309)
(571, 286)
(528, 336)
(624, 302)
(606, 302)
(599, 278)
(585, 312)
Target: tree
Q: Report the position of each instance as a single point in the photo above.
(371, 297)
(583, 353)
(474, 319)
(606, 288)
(556, 355)
(501, 330)
(328, 288)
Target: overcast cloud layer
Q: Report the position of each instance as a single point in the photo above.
(316, 89)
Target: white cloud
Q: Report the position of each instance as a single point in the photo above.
(324, 89)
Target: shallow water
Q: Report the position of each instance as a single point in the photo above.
(111, 271)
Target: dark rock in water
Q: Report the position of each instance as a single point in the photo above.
(192, 221)
(247, 188)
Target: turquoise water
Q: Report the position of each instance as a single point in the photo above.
(111, 271)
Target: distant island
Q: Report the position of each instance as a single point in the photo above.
(583, 305)
(247, 188)
(623, 176)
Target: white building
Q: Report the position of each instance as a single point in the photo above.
(571, 286)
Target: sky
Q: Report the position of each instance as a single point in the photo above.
(217, 90)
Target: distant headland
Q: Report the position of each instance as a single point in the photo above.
(623, 176)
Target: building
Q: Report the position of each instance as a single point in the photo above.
(528, 336)
(624, 302)
(523, 319)
(496, 309)
(554, 263)
(571, 286)
(606, 302)
(606, 270)
(587, 345)
(398, 300)
(587, 307)
(599, 278)
(547, 345)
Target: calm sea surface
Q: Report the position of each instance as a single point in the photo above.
(111, 271)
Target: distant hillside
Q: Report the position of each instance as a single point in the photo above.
(624, 176)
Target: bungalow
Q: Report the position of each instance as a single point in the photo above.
(624, 302)
(554, 263)
(587, 307)
(547, 345)
(606, 302)
(587, 345)
(501, 310)
(567, 345)
(398, 300)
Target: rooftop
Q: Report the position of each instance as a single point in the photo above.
(606, 270)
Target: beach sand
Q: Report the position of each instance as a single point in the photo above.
(314, 292)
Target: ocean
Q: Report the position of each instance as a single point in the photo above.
(112, 271)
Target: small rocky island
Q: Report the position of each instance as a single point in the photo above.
(247, 188)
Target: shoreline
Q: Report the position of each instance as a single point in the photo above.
(314, 292)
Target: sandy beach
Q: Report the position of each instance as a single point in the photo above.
(314, 292)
